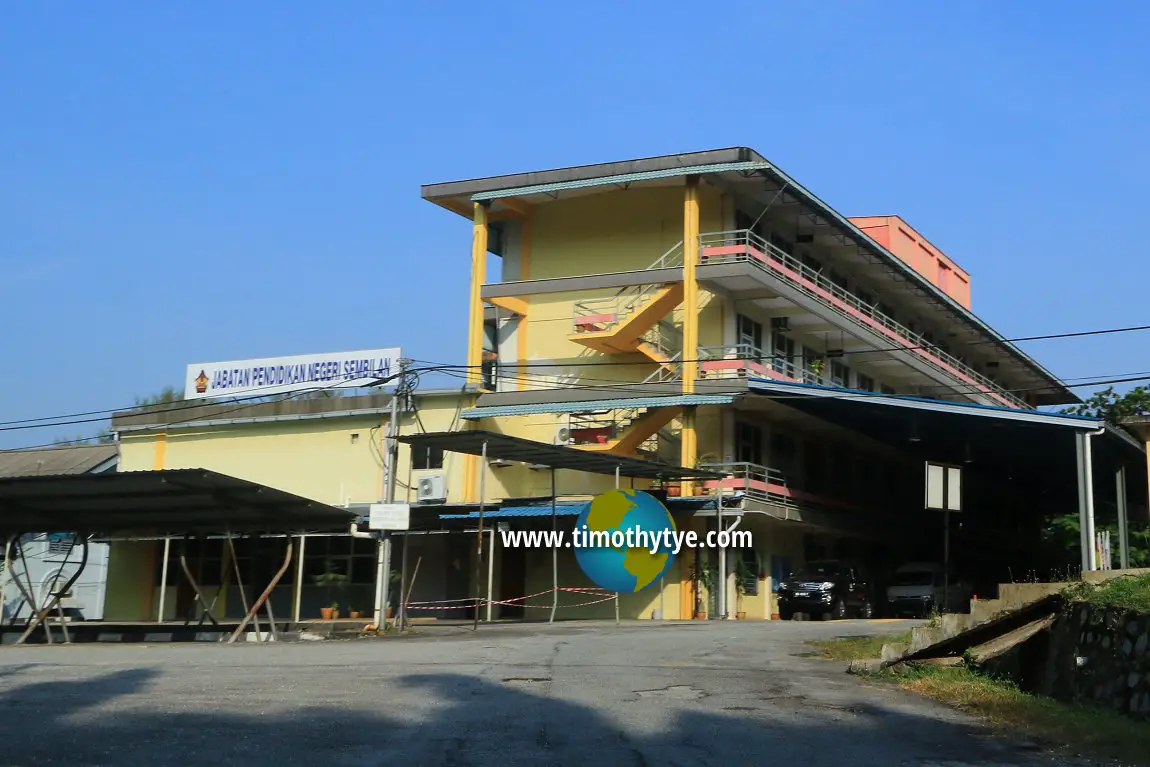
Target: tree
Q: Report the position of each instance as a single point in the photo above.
(1062, 532)
(1112, 406)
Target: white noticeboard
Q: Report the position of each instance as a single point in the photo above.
(943, 487)
(279, 375)
(389, 516)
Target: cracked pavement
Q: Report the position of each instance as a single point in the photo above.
(640, 694)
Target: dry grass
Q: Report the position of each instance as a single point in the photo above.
(856, 647)
(1081, 729)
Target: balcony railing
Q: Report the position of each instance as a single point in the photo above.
(748, 360)
(747, 247)
(765, 484)
(750, 479)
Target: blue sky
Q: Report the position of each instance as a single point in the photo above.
(182, 183)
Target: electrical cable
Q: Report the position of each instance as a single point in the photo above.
(59, 419)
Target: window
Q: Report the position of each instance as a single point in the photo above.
(782, 454)
(863, 382)
(888, 389)
(816, 467)
(426, 457)
(812, 263)
(784, 356)
(840, 374)
(749, 337)
(782, 243)
(748, 443)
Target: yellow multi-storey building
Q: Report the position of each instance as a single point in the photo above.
(704, 310)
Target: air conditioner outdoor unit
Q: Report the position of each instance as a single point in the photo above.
(563, 435)
(432, 489)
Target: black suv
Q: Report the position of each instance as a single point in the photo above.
(830, 589)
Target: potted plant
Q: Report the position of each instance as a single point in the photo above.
(330, 579)
(704, 578)
(744, 573)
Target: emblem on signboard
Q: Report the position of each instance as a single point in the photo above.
(201, 382)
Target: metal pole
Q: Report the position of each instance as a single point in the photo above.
(401, 617)
(298, 595)
(1089, 482)
(490, 571)
(1123, 532)
(383, 548)
(5, 576)
(1083, 542)
(382, 564)
(616, 593)
(483, 468)
(722, 579)
(554, 555)
(945, 559)
(164, 579)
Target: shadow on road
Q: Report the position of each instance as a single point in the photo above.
(471, 721)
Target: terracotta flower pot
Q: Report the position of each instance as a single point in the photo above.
(355, 614)
(700, 616)
(741, 616)
(325, 613)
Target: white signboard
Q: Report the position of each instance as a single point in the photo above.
(943, 487)
(278, 375)
(389, 516)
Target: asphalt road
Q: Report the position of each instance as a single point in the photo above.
(732, 693)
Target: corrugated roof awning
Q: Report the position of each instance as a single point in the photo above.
(506, 447)
(175, 502)
(682, 400)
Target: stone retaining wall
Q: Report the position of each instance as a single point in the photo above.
(1098, 655)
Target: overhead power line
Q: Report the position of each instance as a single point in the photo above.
(96, 416)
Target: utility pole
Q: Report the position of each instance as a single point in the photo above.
(383, 555)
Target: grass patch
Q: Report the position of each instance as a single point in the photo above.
(1083, 729)
(856, 648)
(1125, 593)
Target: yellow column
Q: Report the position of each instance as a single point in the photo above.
(475, 331)
(478, 277)
(690, 322)
(690, 284)
(524, 274)
(160, 451)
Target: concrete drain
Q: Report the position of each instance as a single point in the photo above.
(523, 680)
(676, 692)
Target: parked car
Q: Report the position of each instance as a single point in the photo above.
(919, 588)
(828, 589)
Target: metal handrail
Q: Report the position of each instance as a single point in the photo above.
(749, 472)
(930, 352)
(749, 352)
(618, 305)
(626, 298)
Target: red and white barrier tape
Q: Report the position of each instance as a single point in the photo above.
(466, 602)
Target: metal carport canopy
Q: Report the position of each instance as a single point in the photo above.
(171, 502)
(508, 448)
